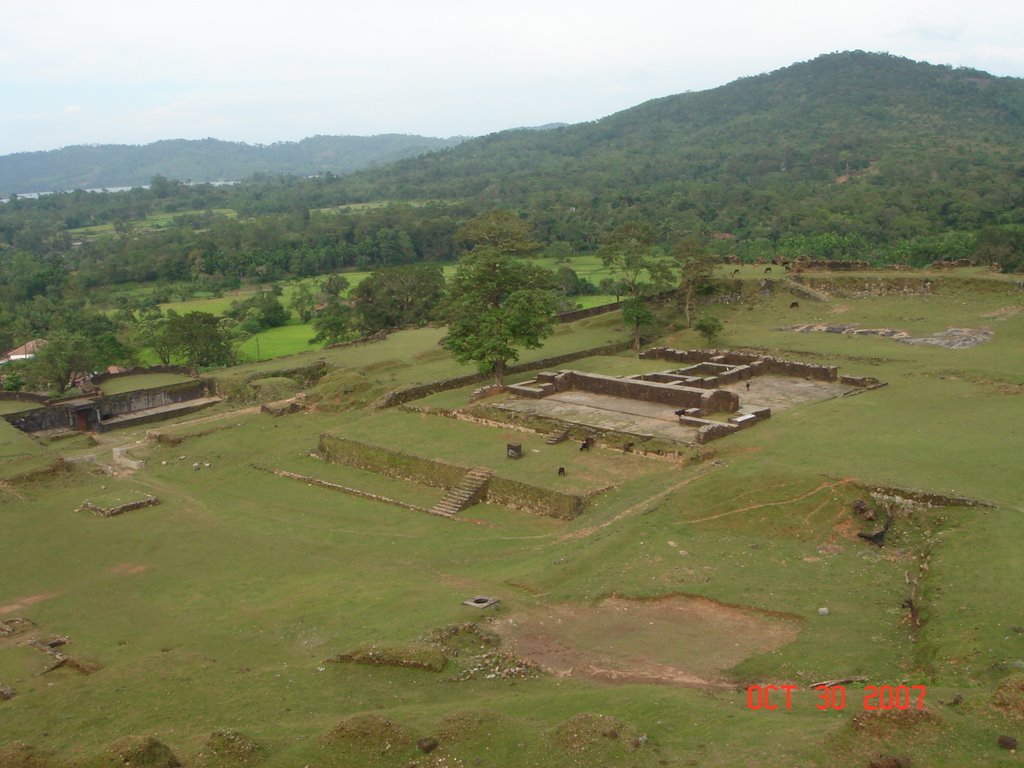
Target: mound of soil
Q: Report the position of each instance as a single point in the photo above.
(22, 755)
(591, 739)
(885, 723)
(470, 724)
(140, 752)
(369, 730)
(411, 656)
(231, 746)
(1009, 696)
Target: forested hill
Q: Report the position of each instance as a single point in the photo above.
(118, 165)
(870, 147)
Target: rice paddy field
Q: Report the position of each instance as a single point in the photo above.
(258, 615)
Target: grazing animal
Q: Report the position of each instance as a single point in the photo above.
(767, 270)
(794, 305)
(735, 272)
(748, 386)
(561, 471)
(680, 412)
(627, 447)
(585, 445)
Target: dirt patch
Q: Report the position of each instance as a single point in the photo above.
(23, 602)
(675, 640)
(1009, 696)
(126, 569)
(1005, 312)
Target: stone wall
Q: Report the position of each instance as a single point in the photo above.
(580, 314)
(58, 416)
(415, 392)
(441, 474)
(144, 399)
(759, 364)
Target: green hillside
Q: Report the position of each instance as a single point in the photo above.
(117, 165)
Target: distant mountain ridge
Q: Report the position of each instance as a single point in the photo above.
(122, 165)
(868, 147)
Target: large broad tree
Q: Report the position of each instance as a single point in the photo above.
(200, 338)
(64, 354)
(497, 303)
(631, 253)
(397, 296)
(333, 323)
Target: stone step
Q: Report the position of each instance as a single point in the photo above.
(558, 437)
(463, 494)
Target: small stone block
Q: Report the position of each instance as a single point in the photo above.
(481, 601)
(514, 450)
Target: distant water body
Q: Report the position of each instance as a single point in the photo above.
(36, 195)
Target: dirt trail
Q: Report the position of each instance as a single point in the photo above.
(752, 507)
(642, 506)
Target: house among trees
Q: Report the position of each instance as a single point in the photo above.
(25, 352)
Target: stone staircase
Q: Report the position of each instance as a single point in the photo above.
(557, 437)
(467, 492)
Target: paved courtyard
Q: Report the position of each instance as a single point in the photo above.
(653, 420)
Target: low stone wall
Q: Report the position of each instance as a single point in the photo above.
(385, 461)
(674, 395)
(41, 419)
(149, 501)
(441, 474)
(529, 498)
(581, 314)
(344, 489)
(759, 364)
(415, 392)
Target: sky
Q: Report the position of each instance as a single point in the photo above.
(133, 72)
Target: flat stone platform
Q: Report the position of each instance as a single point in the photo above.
(653, 420)
(603, 412)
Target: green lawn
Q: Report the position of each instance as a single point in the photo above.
(218, 608)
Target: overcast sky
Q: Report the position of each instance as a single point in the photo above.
(136, 71)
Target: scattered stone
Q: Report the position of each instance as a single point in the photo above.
(823, 611)
(1008, 742)
(863, 509)
(7, 693)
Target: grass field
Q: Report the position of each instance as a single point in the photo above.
(684, 582)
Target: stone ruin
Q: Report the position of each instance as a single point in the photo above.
(695, 391)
